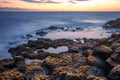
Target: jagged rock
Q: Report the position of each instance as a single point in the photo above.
(12, 75)
(115, 73)
(113, 24)
(102, 51)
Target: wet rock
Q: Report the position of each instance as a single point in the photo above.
(113, 24)
(113, 60)
(42, 77)
(12, 75)
(40, 55)
(115, 46)
(96, 61)
(29, 36)
(95, 71)
(41, 33)
(20, 50)
(19, 61)
(6, 63)
(115, 73)
(102, 51)
(53, 28)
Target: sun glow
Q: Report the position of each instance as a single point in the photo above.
(63, 5)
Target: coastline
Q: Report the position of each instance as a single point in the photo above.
(85, 59)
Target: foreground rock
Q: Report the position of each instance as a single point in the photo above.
(113, 24)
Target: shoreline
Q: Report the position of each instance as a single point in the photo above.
(86, 59)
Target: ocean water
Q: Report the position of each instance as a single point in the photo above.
(13, 25)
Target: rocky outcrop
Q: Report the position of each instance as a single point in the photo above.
(113, 24)
(92, 59)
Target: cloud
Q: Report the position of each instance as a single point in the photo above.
(42, 1)
(55, 1)
(12, 9)
(5, 2)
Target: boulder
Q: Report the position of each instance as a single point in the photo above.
(96, 61)
(102, 51)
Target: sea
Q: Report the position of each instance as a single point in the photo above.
(15, 25)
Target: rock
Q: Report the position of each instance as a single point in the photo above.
(115, 46)
(53, 62)
(53, 28)
(115, 73)
(65, 59)
(29, 36)
(33, 66)
(96, 78)
(7, 63)
(112, 24)
(20, 63)
(12, 75)
(76, 73)
(32, 69)
(102, 51)
(113, 60)
(41, 33)
(68, 73)
(42, 77)
(96, 61)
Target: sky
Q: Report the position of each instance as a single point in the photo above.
(59, 5)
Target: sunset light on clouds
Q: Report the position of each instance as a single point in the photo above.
(59, 5)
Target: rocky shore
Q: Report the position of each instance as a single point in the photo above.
(89, 59)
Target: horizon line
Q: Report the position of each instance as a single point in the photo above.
(55, 11)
